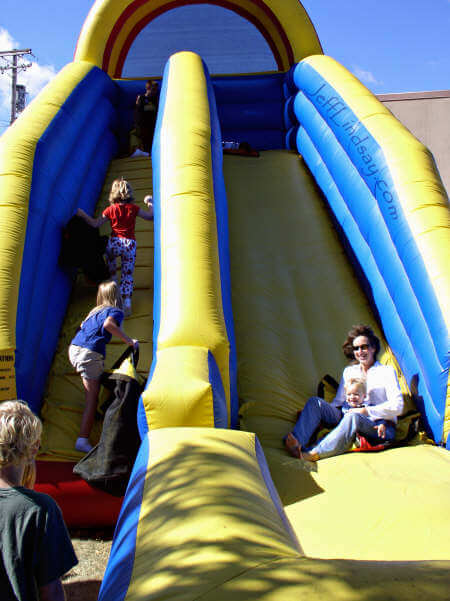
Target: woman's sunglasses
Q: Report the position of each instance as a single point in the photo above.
(361, 347)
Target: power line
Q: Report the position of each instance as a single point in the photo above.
(11, 58)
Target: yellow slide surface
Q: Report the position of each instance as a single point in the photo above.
(64, 397)
(290, 322)
(209, 530)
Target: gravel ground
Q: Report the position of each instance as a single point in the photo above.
(92, 548)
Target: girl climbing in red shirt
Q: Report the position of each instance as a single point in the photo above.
(122, 214)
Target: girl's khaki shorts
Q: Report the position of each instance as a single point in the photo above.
(88, 364)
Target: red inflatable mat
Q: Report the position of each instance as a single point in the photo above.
(82, 505)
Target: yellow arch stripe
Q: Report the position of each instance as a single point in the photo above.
(136, 17)
(105, 14)
(298, 27)
(17, 150)
(191, 314)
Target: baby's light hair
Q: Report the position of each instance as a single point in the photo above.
(121, 191)
(20, 431)
(360, 384)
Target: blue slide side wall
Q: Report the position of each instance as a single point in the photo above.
(250, 108)
(362, 195)
(70, 163)
(117, 578)
(221, 205)
(223, 238)
(156, 169)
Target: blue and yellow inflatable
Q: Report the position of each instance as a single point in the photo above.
(260, 266)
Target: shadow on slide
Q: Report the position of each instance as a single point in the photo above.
(233, 544)
(295, 296)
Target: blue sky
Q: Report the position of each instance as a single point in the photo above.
(391, 45)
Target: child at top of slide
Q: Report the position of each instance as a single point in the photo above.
(87, 351)
(122, 214)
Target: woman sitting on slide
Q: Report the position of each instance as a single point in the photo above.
(376, 420)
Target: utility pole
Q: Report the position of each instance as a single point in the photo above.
(11, 57)
(14, 88)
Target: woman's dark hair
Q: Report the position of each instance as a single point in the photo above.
(360, 330)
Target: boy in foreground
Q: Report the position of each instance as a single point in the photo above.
(35, 548)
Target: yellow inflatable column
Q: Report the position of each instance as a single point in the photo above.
(190, 384)
(209, 515)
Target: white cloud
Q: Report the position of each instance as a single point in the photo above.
(7, 42)
(366, 77)
(34, 78)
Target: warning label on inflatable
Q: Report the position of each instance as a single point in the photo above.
(7, 376)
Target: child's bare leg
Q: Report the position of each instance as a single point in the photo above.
(92, 388)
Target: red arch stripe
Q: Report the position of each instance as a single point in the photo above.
(128, 12)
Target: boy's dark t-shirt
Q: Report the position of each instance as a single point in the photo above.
(35, 547)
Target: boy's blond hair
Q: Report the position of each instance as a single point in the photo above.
(360, 384)
(108, 295)
(121, 191)
(20, 432)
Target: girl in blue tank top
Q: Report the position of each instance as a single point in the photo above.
(88, 349)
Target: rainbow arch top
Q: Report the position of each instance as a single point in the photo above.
(112, 26)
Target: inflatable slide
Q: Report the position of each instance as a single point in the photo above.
(260, 267)
(292, 285)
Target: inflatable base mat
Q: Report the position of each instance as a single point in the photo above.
(82, 506)
(201, 520)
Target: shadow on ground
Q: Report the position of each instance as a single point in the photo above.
(82, 591)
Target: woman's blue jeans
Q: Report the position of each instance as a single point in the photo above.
(345, 427)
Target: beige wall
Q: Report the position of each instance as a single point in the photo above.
(427, 116)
